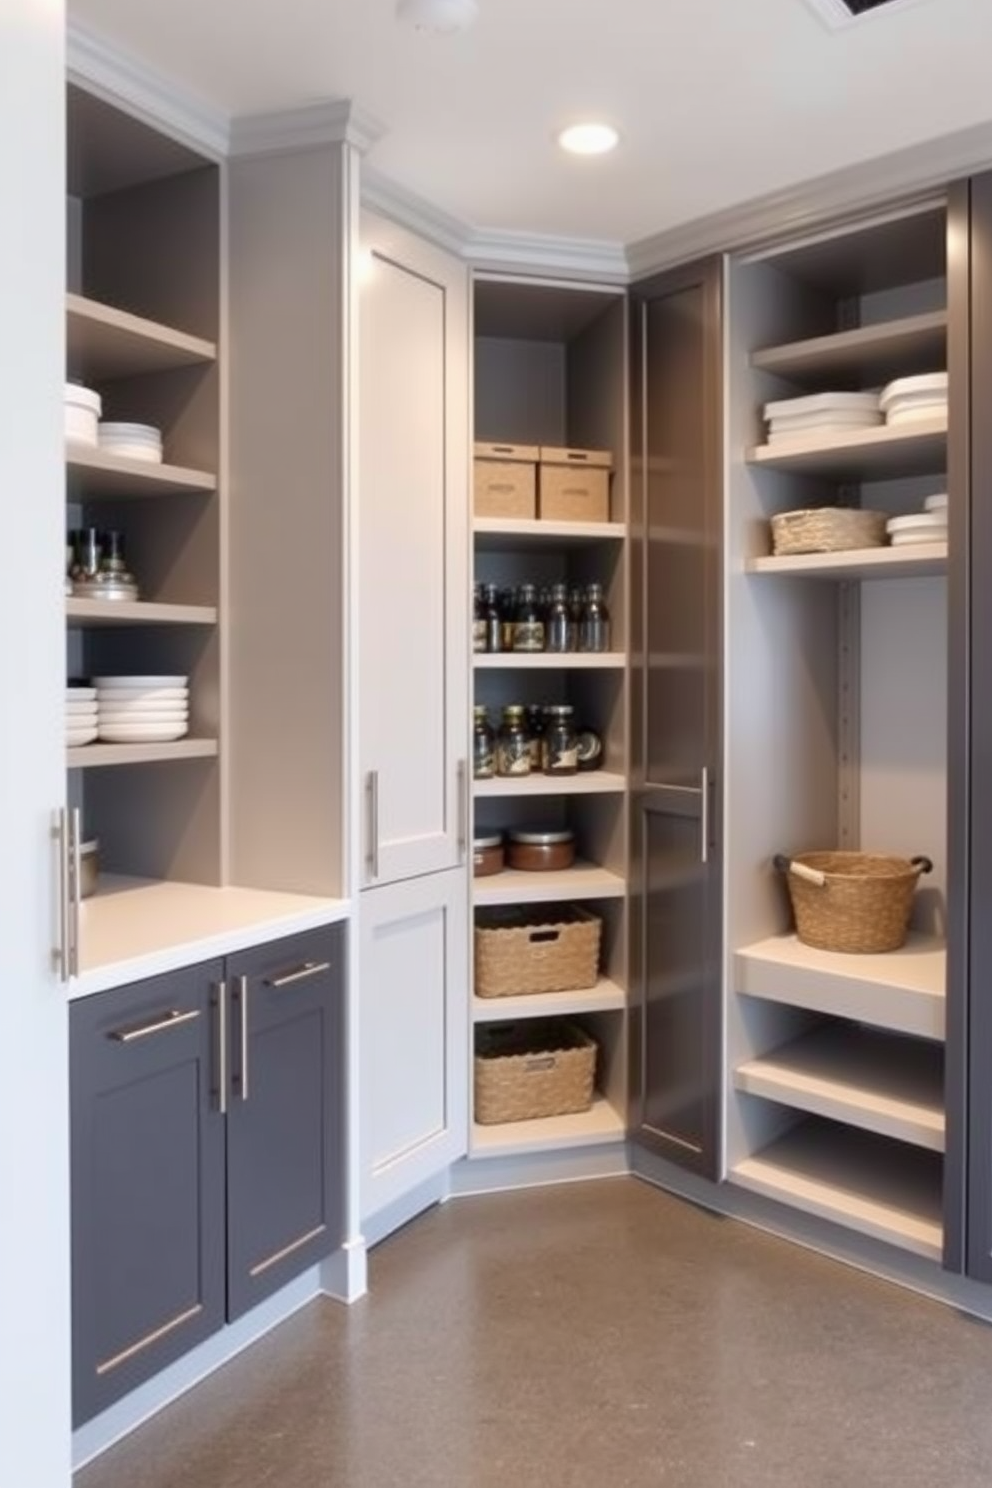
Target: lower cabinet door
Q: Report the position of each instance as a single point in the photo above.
(413, 1033)
(147, 1180)
(285, 1112)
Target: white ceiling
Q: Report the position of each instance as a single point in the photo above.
(718, 101)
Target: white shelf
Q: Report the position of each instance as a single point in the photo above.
(917, 559)
(902, 990)
(857, 1076)
(95, 472)
(516, 886)
(586, 783)
(96, 612)
(915, 449)
(884, 1189)
(549, 661)
(917, 343)
(502, 532)
(102, 342)
(88, 756)
(596, 1127)
(605, 997)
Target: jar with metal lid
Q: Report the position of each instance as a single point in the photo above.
(528, 629)
(512, 744)
(594, 627)
(535, 733)
(483, 745)
(558, 621)
(488, 854)
(560, 745)
(540, 851)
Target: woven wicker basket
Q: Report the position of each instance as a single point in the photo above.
(852, 901)
(827, 529)
(523, 952)
(539, 1067)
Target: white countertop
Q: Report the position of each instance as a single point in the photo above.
(134, 928)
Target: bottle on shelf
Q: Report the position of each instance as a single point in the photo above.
(576, 604)
(478, 620)
(558, 621)
(492, 618)
(560, 744)
(512, 744)
(507, 615)
(483, 745)
(535, 734)
(594, 627)
(528, 628)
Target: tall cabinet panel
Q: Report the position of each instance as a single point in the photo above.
(676, 910)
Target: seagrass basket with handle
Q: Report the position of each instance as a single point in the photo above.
(852, 901)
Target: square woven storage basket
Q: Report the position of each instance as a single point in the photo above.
(827, 529)
(525, 1070)
(523, 952)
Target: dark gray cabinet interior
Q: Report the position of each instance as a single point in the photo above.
(676, 726)
(206, 1152)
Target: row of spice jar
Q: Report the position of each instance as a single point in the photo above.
(531, 849)
(540, 739)
(533, 618)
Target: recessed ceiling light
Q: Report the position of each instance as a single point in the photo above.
(589, 139)
(438, 17)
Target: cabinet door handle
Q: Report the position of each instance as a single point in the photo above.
(372, 850)
(223, 1075)
(704, 815)
(75, 882)
(60, 836)
(308, 969)
(172, 1019)
(462, 809)
(243, 1000)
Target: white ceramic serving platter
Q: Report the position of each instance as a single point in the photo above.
(926, 384)
(103, 683)
(142, 733)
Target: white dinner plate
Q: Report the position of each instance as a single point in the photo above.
(917, 522)
(936, 503)
(914, 539)
(153, 695)
(77, 736)
(86, 705)
(142, 733)
(140, 682)
(80, 694)
(816, 403)
(926, 384)
(141, 720)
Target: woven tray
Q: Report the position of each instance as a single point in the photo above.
(524, 952)
(827, 529)
(540, 1067)
(852, 901)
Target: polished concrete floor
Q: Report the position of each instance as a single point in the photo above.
(600, 1335)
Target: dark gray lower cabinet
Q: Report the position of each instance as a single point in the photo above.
(206, 1152)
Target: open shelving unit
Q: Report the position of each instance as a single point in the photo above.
(835, 1067)
(97, 755)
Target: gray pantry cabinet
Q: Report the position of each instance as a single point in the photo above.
(206, 1152)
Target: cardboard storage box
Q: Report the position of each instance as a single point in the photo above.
(505, 482)
(575, 485)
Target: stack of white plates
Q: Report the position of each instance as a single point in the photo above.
(142, 710)
(909, 400)
(927, 526)
(819, 414)
(136, 441)
(80, 716)
(83, 407)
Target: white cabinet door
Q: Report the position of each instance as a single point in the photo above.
(413, 1034)
(413, 569)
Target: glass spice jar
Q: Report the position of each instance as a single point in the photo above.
(478, 620)
(535, 733)
(512, 745)
(558, 621)
(560, 745)
(528, 629)
(492, 619)
(594, 627)
(483, 745)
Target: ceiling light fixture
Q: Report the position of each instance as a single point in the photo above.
(437, 17)
(589, 139)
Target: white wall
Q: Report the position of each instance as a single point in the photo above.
(34, 1187)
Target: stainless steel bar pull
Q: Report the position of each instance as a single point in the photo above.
(704, 815)
(75, 883)
(60, 837)
(174, 1018)
(223, 1074)
(372, 848)
(462, 788)
(243, 1001)
(308, 969)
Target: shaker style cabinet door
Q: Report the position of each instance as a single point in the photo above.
(284, 1119)
(413, 577)
(147, 1180)
(676, 719)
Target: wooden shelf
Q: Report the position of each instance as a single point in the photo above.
(596, 1127)
(97, 612)
(515, 886)
(885, 1189)
(586, 783)
(95, 472)
(918, 559)
(87, 756)
(902, 990)
(915, 449)
(858, 1076)
(550, 661)
(876, 353)
(102, 343)
(495, 533)
(605, 997)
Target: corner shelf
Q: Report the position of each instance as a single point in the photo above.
(877, 353)
(605, 997)
(587, 783)
(884, 1189)
(921, 559)
(95, 472)
(99, 612)
(859, 1077)
(598, 1126)
(88, 756)
(550, 661)
(103, 342)
(516, 886)
(911, 449)
(902, 991)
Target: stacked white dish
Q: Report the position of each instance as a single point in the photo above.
(821, 414)
(83, 408)
(80, 716)
(135, 441)
(927, 526)
(142, 710)
(911, 400)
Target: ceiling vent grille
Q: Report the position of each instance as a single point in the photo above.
(842, 12)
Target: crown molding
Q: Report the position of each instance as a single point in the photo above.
(380, 194)
(119, 78)
(338, 121)
(853, 189)
(539, 253)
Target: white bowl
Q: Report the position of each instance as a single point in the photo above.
(82, 409)
(103, 683)
(151, 454)
(140, 433)
(142, 733)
